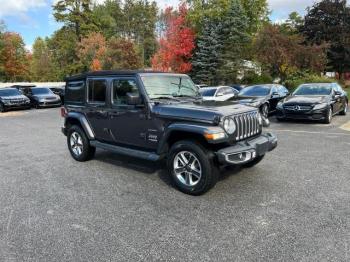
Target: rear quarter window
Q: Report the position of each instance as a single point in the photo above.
(75, 92)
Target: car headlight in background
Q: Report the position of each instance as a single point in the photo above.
(320, 106)
(229, 126)
(280, 105)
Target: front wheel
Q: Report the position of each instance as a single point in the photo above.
(78, 144)
(265, 110)
(329, 116)
(2, 108)
(192, 168)
(345, 110)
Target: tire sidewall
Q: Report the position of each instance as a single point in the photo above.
(329, 115)
(209, 175)
(85, 155)
(262, 110)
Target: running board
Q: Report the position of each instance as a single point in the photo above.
(126, 151)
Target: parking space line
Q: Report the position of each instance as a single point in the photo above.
(346, 126)
(308, 132)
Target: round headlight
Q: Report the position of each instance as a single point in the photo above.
(260, 120)
(229, 126)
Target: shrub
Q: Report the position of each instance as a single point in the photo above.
(298, 79)
(253, 79)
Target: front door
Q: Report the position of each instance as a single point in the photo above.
(130, 124)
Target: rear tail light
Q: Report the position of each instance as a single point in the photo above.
(64, 111)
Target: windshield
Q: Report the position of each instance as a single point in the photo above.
(313, 90)
(208, 92)
(255, 91)
(9, 92)
(41, 91)
(158, 86)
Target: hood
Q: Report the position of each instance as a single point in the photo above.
(250, 99)
(208, 111)
(18, 97)
(305, 100)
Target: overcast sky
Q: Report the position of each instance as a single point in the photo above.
(33, 18)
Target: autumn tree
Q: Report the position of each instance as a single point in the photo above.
(2, 44)
(91, 51)
(289, 52)
(14, 57)
(121, 54)
(177, 45)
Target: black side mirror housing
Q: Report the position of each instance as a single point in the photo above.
(275, 94)
(133, 99)
(337, 93)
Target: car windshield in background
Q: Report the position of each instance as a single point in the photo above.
(9, 92)
(255, 91)
(208, 92)
(313, 90)
(160, 86)
(41, 91)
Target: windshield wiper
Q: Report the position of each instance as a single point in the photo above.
(165, 97)
(188, 96)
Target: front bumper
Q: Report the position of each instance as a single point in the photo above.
(55, 103)
(17, 106)
(246, 151)
(315, 115)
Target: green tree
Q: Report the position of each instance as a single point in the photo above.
(42, 67)
(293, 24)
(76, 14)
(329, 21)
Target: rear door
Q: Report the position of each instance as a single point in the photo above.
(97, 107)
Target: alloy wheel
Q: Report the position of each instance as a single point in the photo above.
(76, 143)
(330, 115)
(187, 168)
(265, 111)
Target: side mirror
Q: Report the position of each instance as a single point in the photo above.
(275, 94)
(338, 93)
(133, 99)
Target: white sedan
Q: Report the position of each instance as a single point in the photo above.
(218, 93)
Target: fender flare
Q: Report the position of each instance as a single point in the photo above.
(83, 122)
(180, 127)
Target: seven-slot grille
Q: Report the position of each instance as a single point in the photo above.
(247, 125)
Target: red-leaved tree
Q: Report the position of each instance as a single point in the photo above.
(177, 45)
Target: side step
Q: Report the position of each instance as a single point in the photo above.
(126, 151)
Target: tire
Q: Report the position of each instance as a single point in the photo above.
(2, 108)
(254, 162)
(345, 110)
(78, 144)
(264, 109)
(329, 116)
(197, 172)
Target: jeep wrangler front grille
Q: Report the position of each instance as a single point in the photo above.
(247, 125)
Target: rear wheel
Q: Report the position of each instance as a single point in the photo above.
(345, 110)
(191, 167)
(78, 144)
(329, 116)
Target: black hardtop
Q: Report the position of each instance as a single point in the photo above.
(83, 76)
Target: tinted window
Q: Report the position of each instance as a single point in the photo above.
(283, 90)
(9, 92)
(208, 92)
(313, 90)
(255, 91)
(97, 91)
(41, 91)
(75, 92)
(121, 88)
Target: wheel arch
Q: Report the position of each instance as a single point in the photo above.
(79, 119)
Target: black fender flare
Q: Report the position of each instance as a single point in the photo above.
(180, 127)
(83, 122)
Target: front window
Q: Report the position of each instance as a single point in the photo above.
(121, 88)
(158, 86)
(255, 91)
(9, 92)
(41, 91)
(313, 90)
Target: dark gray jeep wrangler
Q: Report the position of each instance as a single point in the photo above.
(156, 116)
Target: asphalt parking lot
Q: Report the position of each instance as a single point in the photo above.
(294, 206)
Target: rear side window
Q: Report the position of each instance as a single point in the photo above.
(75, 92)
(97, 91)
